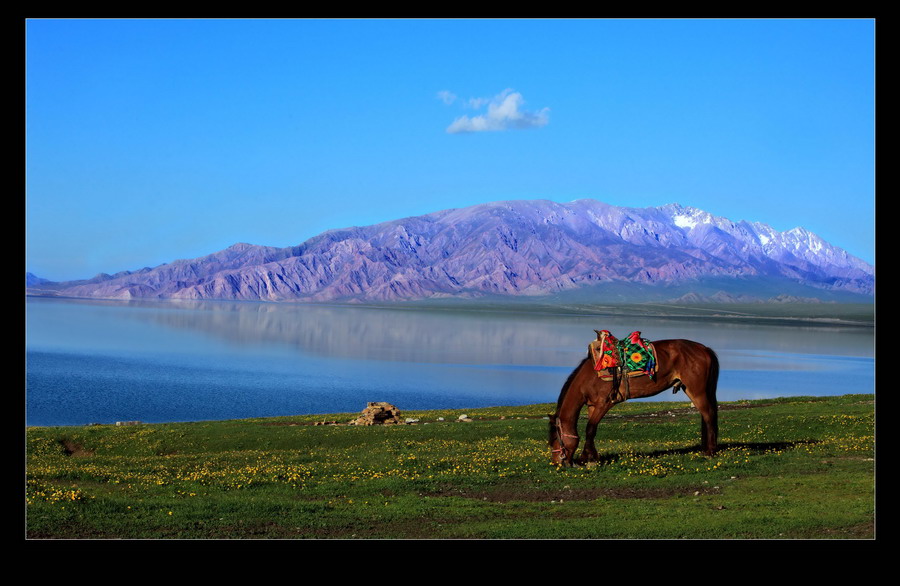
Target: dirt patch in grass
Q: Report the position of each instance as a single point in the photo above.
(303, 423)
(259, 530)
(660, 416)
(666, 415)
(360, 529)
(860, 531)
(68, 532)
(864, 530)
(541, 495)
(733, 406)
(388, 529)
(74, 449)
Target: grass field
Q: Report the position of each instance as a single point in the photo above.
(797, 468)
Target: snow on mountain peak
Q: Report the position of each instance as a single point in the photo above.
(687, 217)
(685, 221)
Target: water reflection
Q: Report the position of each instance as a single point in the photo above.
(464, 337)
(304, 358)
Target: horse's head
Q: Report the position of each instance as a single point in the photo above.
(557, 448)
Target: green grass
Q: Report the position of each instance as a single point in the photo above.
(788, 468)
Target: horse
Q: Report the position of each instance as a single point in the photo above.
(682, 364)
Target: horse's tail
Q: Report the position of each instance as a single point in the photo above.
(712, 382)
(552, 431)
(712, 379)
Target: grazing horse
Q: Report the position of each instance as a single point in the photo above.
(682, 364)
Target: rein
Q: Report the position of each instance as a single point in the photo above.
(560, 434)
(559, 438)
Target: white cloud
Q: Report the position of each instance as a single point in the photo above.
(446, 97)
(504, 112)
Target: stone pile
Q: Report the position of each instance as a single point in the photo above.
(378, 413)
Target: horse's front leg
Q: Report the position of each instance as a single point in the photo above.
(568, 441)
(595, 414)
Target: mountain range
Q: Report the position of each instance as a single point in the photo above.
(533, 248)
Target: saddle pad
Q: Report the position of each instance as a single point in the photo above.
(638, 354)
(604, 350)
(634, 355)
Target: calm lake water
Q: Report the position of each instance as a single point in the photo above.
(104, 361)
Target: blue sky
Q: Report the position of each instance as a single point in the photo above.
(149, 141)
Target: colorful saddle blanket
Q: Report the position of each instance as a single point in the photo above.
(634, 355)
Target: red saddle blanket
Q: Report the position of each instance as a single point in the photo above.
(634, 355)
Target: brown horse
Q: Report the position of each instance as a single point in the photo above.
(682, 364)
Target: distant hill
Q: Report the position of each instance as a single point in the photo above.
(532, 248)
(34, 281)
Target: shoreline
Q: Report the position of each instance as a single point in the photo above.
(528, 411)
(856, 315)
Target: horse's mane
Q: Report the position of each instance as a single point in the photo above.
(562, 394)
(565, 387)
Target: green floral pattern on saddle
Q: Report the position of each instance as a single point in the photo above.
(637, 354)
(633, 354)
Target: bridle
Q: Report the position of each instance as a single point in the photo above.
(560, 434)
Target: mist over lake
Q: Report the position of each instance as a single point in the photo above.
(107, 361)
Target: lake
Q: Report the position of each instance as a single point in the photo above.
(107, 361)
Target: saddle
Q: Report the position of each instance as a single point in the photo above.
(630, 357)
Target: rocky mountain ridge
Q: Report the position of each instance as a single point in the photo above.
(512, 248)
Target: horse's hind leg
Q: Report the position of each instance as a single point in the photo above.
(709, 423)
(595, 414)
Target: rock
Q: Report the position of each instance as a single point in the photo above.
(378, 413)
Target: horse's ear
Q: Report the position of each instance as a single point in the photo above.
(599, 333)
